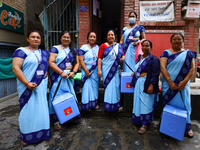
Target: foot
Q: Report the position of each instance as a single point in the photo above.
(190, 134)
(24, 144)
(97, 107)
(120, 109)
(57, 125)
(143, 129)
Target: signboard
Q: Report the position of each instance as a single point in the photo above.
(156, 11)
(192, 10)
(11, 19)
(82, 8)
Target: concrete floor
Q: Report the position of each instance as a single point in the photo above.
(111, 131)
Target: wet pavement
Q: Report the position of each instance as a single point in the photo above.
(96, 130)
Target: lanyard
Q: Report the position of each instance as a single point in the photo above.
(113, 50)
(39, 60)
(93, 52)
(65, 52)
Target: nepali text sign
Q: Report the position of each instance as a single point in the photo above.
(193, 10)
(11, 19)
(156, 11)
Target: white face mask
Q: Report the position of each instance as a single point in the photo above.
(132, 20)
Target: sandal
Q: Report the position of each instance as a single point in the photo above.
(143, 129)
(120, 109)
(24, 144)
(57, 125)
(97, 107)
(190, 134)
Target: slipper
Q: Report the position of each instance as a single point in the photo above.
(97, 107)
(120, 109)
(23, 144)
(190, 134)
(57, 125)
(143, 129)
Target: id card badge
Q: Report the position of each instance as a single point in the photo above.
(137, 74)
(94, 63)
(40, 72)
(130, 37)
(112, 57)
(68, 64)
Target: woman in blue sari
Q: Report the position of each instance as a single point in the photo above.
(30, 66)
(88, 59)
(109, 56)
(145, 80)
(130, 38)
(63, 61)
(177, 67)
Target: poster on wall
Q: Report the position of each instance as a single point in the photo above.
(11, 19)
(156, 11)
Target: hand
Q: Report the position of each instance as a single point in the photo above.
(181, 85)
(132, 74)
(172, 85)
(150, 89)
(135, 43)
(122, 59)
(63, 75)
(87, 74)
(99, 73)
(31, 86)
(70, 75)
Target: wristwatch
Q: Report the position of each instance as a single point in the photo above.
(74, 72)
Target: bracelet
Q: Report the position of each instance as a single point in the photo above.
(74, 72)
(61, 72)
(168, 79)
(27, 83)
(87, 72)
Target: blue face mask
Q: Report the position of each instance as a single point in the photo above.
(132, 20)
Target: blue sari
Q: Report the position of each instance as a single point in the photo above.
(129, 49)
(178, 66)
(34, 121)
(111, 80)
(60, 61)
(90, 90)
(143, 103)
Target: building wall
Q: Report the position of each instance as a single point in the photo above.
(84, 22)
(10, 40)
(190, 27)
(10, 36)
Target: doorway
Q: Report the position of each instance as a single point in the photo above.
(109, 16)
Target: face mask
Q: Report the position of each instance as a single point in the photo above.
(132, 20)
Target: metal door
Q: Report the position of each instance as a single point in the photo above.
(60, 15)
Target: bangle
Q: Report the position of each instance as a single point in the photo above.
(168, 79)
(26, 84)
(61, 72)
(74, 72)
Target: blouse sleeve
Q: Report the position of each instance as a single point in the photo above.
(19, 53)
(142, 29)
(54, 50)
(101, 50)
(164, 54)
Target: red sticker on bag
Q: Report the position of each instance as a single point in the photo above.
(128, 85)
(67, 111)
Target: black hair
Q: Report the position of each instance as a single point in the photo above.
(31, 31)
(112, 31)
(131, 13)
(176, 34)
(89, 35)
(150, 43)
(72, 49)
